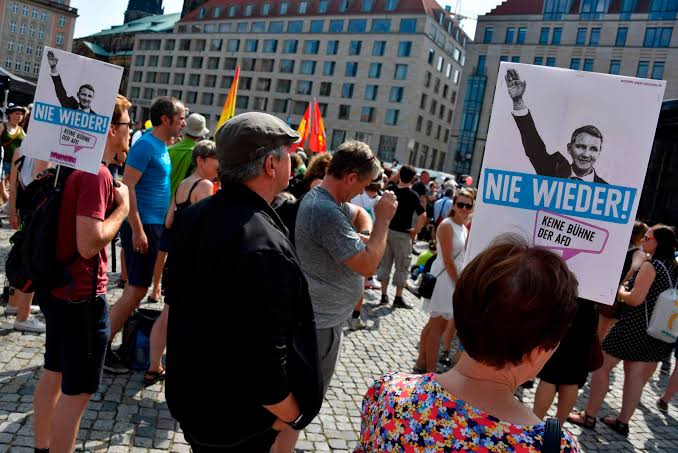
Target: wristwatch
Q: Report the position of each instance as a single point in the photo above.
(294, 424)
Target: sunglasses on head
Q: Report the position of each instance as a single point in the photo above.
(461, 205)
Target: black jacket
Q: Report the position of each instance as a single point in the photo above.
(241, 328)
(545, 164)
(65, 100)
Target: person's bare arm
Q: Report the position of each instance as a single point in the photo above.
(287, 411)
(139, 239)
(13, 178)
(641, 287)
(362, 222)
(421, 223)
(92, 234)
(445, 239)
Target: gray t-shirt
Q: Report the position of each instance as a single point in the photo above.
(325, 238)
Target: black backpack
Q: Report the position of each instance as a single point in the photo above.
(31, 264)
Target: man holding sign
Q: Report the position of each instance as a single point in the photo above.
(584, 147)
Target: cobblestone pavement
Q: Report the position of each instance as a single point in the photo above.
(126, 417)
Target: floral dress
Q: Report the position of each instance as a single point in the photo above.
(413, 413)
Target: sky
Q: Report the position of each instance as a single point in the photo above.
(93, 18)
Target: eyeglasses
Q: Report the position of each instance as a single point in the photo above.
(461, 205)
(129, 124)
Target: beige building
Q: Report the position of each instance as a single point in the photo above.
(628, 37)
(385, 72)
(26, 26)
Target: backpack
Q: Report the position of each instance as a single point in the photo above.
(663, 324)
(31, 263)
(136, 337)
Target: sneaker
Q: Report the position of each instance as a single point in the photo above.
(665, 367)
(30, 325)
(11, 310)
(662, 405)
(384, 300)
(411, 286)
(357, 324)
(372, 284)
(398, 302)
(113, 364)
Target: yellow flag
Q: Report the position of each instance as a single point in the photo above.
(229, 105)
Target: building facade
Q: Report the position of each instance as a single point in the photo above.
(383, 71)
(627, 37)
(137, 9)
(26, 26)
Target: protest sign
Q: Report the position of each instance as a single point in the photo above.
(564, 165)
(72, 110)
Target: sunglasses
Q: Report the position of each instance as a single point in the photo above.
(130, 124)
(647, 238)
(461, 205)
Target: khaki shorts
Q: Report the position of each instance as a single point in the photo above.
(329, 346)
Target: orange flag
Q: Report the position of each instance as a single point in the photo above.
(229, 105)
(305, 125)
(318, 142)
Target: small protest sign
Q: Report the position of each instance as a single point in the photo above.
(72, 110)
(564, 165)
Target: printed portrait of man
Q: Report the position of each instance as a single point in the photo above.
(585, 146)
(85, 94)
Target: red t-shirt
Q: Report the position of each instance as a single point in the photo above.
(86, 195)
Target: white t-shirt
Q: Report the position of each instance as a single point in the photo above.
(364, 201)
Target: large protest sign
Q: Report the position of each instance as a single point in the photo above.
(72, 110)
(564, 165)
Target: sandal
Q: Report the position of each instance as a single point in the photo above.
(151, 300)
(616, 425)
(584, 420)
(152, 377)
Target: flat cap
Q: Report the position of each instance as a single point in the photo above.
(246, 137)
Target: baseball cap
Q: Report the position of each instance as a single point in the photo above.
(246, 137)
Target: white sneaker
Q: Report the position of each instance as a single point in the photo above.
(30, 325)
(11, 310)
(372, 284)
(357, 324)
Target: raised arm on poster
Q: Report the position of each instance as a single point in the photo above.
(64, 127)
(562, 200)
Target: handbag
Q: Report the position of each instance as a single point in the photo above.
(428, 284)
(663, 324)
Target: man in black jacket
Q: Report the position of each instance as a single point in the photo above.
(585, 144)
(85, 92)
(242, 356)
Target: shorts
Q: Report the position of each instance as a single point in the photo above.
(329, 346)
(140, 266)
(398, 250)
(164, 244)
(76, 341)
(260, 443)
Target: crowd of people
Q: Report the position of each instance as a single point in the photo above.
(247, 228)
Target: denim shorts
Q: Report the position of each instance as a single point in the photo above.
(76, 340)
(140, 265)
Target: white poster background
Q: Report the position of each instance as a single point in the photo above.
(65, 135)
(624, 109)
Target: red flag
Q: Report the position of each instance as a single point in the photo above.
(304, 127)
(318, 142)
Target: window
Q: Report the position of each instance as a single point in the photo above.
(371, 92)
(378, 48)
(41, 33)
(522, 32)
(366, 6)
(657, 36)
(593, 9)
(251, 45)
(551, 61)
(396, 94)
(627, 8)
(295, 26)
(336, 26)
(544, 35)
(658, 70)
(311, 47)
(354, 47)
(439, 64)
(193, 79)
(620, 40)
(299, 107)
(29, 49)
(260, 103)
(140, 60)
(431, 56)
(317, 26)
(581, 36)
(210, 81)
(24, 10)
(202, 13)
(270, 45)
(290, 46)
(347, 90)
(242, 27)
(400, 72)
(307, 67)
(594, 39)
(323, 6)
(212, 62)
(283, 8)
(391, 5)
(575, 63)
(480, 69)
(12, 28)
(241, 102)
(387, 148)
(328, 68)
(663, 10)
(367, 115)
(265, 9)
(374, 71)
(332, 47)
(404, 48)
(351, 69)
(248, 64)
(489, 34)
(357, 25)
(226, 27)
(343, 6)
(182, 61)
(283, 86)
(267, 64)
(510, 35)
(588, 64)
(344, 112)
(338, 137)
(325, 89)
(232, 10)
(515, 59)
(287, 66)
(31, 32)
(408, 25)
(229, 63)
(420, 120)
(233, 45)
(304, 87)
(10, 45)
(62, 21)
(303, 7)
(381, 25)
(275, 26)
(43, 17)
(258, 27)
(643, 68)
(423, 100)
(615, 67)
(557, 34)
(555, 9)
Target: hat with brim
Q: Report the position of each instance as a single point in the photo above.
(195, 125)
(11, 108)
(248, 136)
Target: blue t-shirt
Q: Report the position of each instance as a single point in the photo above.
(149, 156)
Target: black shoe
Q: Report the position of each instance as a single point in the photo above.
(398, 302)
(384, 300)
(113, 364)
(662, 405)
